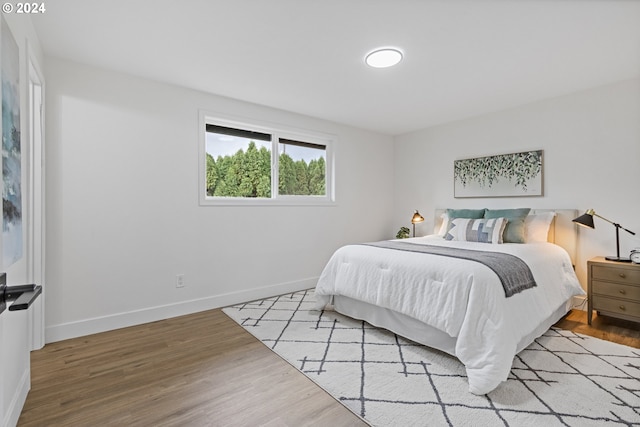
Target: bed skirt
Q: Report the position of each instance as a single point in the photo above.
(422, 333)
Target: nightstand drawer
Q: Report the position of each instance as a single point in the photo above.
(616, 274)
(616, 306)
(616, 290)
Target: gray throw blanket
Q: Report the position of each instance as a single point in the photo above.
(513, 272)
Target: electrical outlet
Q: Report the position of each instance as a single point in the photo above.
(180, 281)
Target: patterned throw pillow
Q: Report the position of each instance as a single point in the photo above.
(487, 230)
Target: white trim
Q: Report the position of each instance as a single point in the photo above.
(13, 411)
(36, 199)
(277, 131)
(122, 320)
(280, 201)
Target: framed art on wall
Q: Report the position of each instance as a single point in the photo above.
(504, 175)
(11, 150)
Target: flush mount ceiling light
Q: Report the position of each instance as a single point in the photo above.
(383, 58)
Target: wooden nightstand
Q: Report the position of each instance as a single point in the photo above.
(613, 289)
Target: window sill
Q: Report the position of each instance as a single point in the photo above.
(267, 202)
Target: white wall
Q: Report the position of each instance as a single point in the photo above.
(15, 326)
(123, 217)
(591, 143)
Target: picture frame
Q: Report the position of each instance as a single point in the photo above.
(12, 227)
(504, 175)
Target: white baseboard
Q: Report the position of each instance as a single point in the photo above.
(95, 325)
(14, 409)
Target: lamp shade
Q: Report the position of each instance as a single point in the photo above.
(417, 217)
(586, 219)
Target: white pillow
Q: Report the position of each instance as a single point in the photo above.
(536, 226)
(444, 226)
(485, 230)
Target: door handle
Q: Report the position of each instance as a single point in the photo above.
(21, 296)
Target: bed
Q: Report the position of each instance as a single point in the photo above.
(456, 304)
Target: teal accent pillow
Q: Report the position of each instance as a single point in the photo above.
(465, 213)
(514, 232)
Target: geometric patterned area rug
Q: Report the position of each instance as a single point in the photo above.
(562, 379)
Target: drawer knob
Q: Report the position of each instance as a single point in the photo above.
(622, 291)
(623, 275)
(622, 307)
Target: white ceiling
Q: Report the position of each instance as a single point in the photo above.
(462, 58)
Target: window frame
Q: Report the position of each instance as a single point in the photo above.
(277, 133)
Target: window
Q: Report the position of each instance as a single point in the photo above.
(243, 163)
(302, 170)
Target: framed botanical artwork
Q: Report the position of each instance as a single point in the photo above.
(504, 175)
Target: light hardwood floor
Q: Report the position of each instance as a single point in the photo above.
(197, 370)
(603, 327)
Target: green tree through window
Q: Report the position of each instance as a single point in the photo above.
(244, 174)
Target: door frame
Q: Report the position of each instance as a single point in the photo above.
(36, 183)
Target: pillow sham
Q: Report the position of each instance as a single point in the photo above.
(444, 226)
(514, 231)
(485, 230)
(537, 226)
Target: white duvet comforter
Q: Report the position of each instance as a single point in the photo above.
(463, 298)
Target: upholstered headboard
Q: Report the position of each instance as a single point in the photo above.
(562, 232)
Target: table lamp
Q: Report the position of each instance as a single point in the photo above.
(416, 219)
(586, 220)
